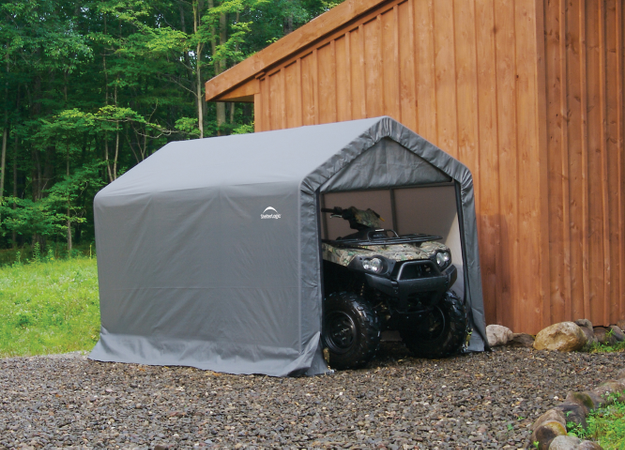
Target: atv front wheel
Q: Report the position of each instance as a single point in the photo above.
(351, 330)
(441, 333)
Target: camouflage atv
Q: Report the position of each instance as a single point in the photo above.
(376, 280)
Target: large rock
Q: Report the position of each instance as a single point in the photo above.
(498, 335)
(584, 323)
(621, 324)
(521, 340)
(604, 336)
(586, 326)
(610, 391)
(574, 412)
(582, 398)
(563, 336)
(618, 333)
(565, 443)
(589, 445)
(552, 415)
(546, 433)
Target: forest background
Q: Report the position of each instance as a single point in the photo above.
(89, 89)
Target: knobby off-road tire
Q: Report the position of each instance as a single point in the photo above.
(441, 333)
(351, 330)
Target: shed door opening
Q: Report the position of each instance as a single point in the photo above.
(430, 209)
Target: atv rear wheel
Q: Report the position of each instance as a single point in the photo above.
(351, 330)
(441, 333)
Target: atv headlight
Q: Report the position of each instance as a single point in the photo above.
(443, 259)
(374, 265)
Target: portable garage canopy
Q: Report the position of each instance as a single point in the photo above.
(209, 251)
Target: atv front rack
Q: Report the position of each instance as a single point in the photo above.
(374, 238)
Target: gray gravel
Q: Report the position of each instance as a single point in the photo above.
(485, 400)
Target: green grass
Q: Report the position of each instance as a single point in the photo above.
(605, 426)
(50, 306)
(604, 348)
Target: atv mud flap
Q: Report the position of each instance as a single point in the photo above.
(434, 286)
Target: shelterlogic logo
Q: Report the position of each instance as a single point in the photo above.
(270, 213)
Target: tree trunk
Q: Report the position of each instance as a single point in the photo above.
(3, 159)
(217, 65)
(69, 211)
(197, 15)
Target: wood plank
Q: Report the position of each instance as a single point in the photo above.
(466, 87)
(263, 117)
(426, 77)
(343, 79)
(358, 67)
(613, 180)
(558, 163)
(277, 113)
(309, 87)
(445, 70)
(327, 83)
(531, 290)
(407, 75)
(293, 96)
(620, 95)
(594, 165)
(390, 64)
(304, 36)
(244, 93)
(258, 112)
(574, 107)
(508, 193)
(373, 67)
(536, 32)
(489, 216)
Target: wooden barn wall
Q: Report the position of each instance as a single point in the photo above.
(537, 118)
(584, 48)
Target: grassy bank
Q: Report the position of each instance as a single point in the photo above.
(49, 307)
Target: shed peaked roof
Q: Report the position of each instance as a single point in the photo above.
(233, 83)
(286, 156)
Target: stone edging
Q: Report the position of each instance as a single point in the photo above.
(550, 430)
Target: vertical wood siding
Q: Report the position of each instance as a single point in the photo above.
(529, 95)
(584, 77)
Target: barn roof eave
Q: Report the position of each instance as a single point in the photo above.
(223, 86)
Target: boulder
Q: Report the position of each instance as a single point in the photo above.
(498, 335)
(617, 332)
(584, 323)
(574, 412)
(605, 336)
(565, 443)
(596, 400)
(610, 391)
(586, 326)
(581, 398)
(552, 415)
(621, 324)
(589, 445)
(521, 340)
(563, 336)
(546, 433)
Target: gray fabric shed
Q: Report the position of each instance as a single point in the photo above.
(209, 250)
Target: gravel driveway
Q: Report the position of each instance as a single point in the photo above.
(482, 400)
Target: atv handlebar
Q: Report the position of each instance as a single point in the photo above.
(352, 215)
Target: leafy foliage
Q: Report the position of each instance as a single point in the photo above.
(90, 88)
(605, 425)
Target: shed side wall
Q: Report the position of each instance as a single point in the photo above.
(584, 77)
(529, 95)
(463, 75)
